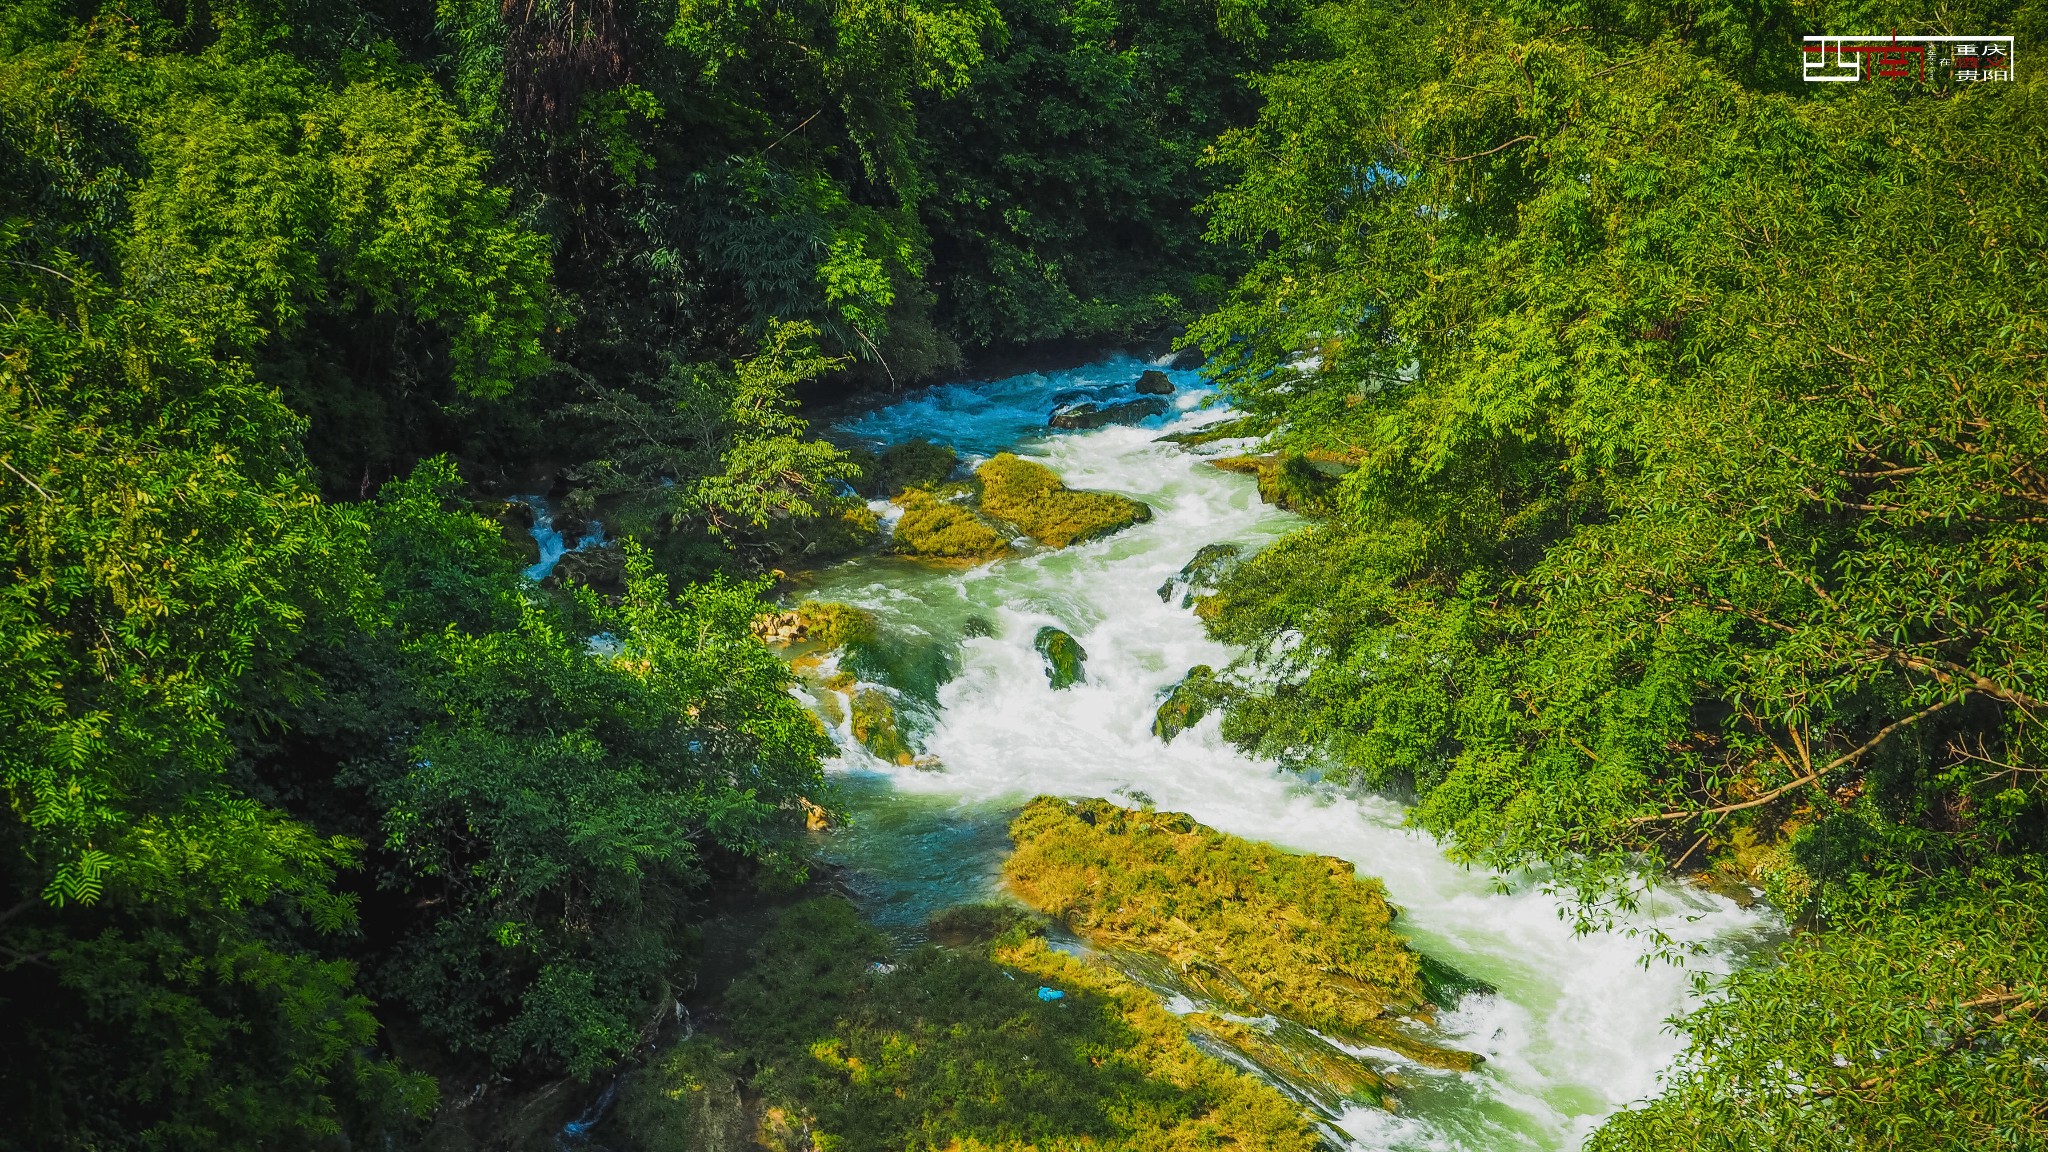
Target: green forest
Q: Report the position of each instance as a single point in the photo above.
(1672, 436)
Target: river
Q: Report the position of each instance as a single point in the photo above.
(1579, 1025)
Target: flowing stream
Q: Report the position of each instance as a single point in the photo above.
(1577, 1028)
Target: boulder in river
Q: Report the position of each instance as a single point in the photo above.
(1186, 703)
(1154, 383)
(1188, 358)
(911, 464)
(1088, 414)
(1200, 575)
(1063, 657)
(1293, 481)
(948, 531)
(875, 726)
(1247, 927)
(1032, 497)
(600, 569)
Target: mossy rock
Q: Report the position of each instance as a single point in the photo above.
(1089, 414)
(1186, 703)
(1153, 382)
(835, 625)
(600, 569)
(911, 464)
(1032, 497)
(1290, 480)
(935, 529)
(875, 726)
(1064, 657)
(848, 527)
(1201, 574)
(515, 520)
(1254, 929)
(1332, 1077)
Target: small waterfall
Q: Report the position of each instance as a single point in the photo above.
(1577, 1027)
(552, 546)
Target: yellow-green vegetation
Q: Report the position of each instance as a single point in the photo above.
(686, 1099)
(875, 726)
(1288, 480)
(911, 464)
(865, 1048)
(1063, 657)
(1233, 429)
(936, 529)
(1031, 496)
(835, 625)
(1255, 929)
(1186, 703)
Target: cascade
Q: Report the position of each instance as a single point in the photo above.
(1577, 1027)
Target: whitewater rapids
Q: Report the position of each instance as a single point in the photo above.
(1579, 1027)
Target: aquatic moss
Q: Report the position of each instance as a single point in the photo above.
(1201, 574)
(1256, 929)
(1063, 657)
(935, 529)
(875, 726)
(1289, 480)
(872, 1049)
(1032, 497)
(1186, 703)
(834, 625)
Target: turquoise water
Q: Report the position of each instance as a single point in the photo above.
(1577, 1028)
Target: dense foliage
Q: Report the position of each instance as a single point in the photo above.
(1692, 428)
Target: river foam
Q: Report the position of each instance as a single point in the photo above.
(1578, 1028)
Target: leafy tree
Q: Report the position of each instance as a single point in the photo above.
(1692, 426)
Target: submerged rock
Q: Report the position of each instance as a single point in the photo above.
(1154, 383)
(1200, 575)
(1032, 497)
(875, 726)
(1064, 657)
(1088, 414)
(1186, 703)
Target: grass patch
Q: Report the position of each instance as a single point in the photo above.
(1031, 496)
(1248, 926)
(935, 529)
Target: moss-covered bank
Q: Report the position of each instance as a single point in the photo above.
(839, 1040)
